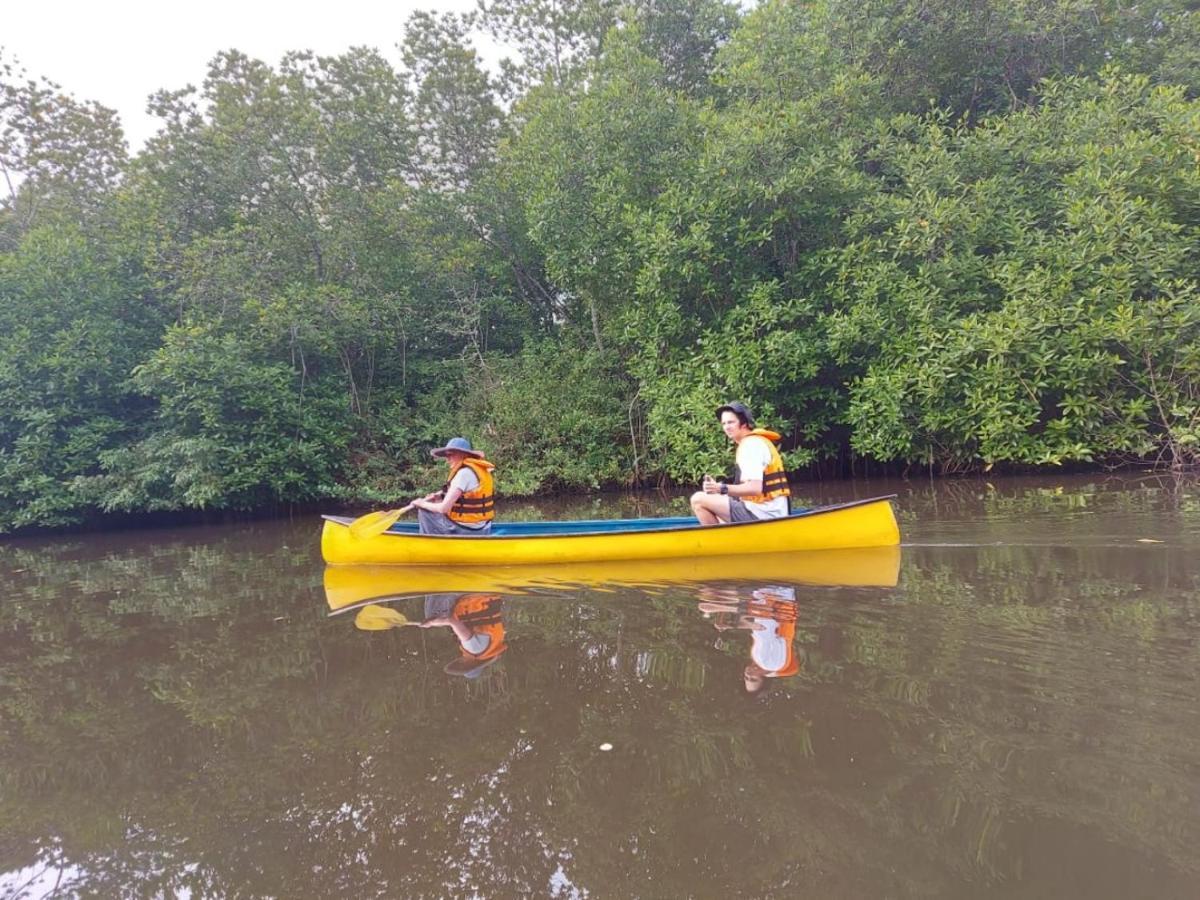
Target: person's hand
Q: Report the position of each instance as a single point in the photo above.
(724, 596)
(711, 485)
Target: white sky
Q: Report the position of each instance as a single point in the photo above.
(118, 52)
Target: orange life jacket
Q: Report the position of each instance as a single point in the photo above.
(774, 481)
(787, 631)
(477, 506)
(481, 613)
(783, 611)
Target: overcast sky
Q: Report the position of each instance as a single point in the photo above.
(118, 52)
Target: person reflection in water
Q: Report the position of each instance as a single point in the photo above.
(769, 614)
(476, 621)
(474, 618)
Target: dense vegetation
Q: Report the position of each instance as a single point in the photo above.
(946, 234)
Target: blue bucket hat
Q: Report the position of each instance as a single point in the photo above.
(469, 668)
(457, 445)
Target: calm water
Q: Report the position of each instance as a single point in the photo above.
(181, 715)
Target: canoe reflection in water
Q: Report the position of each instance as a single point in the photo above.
(768, 613)
(349, 587)
(739, 589)
(475, 619)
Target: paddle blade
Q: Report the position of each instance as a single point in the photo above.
(379, 618)
(374, 523)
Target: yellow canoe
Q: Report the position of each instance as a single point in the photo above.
(865, 523)
(348, 587)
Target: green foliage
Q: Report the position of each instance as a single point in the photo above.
(1028, 290)
(684, 37)
(587, 162)
(58, 156)
(69, 336)
(554, 39)
(454, 107)
(555, 419)
(232, 431)
(936, 234)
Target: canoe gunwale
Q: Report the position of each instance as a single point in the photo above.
(807, 513)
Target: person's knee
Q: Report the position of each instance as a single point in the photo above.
(697, 500)
(427, 522)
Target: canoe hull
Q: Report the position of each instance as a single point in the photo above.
(868, 523)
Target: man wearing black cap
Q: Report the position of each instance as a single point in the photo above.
(759, 489)
(466, 503)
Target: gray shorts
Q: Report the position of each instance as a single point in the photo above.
(739, 513)
(439, 606)
(439, 523)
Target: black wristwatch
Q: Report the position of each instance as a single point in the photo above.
(724, 489)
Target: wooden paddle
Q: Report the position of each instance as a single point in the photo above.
(377, 522)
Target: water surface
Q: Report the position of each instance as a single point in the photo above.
(1012, 713)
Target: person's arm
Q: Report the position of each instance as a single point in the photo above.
(742, 488)
(745, 488)
(460, 628)
(718, 595)
(462, 482)
(444, 505)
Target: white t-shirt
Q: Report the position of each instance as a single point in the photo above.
(774, 592)
(477, 643)
(769, 648)
(465, 479)
(753, 456)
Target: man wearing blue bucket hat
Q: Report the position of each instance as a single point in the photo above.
(477, 621)
(466, 503)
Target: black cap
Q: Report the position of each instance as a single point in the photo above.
(741, 410)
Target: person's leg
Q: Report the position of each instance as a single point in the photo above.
(439, 606)
(439, 523)
(710, 508)
(434, 523)
(738, 511)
